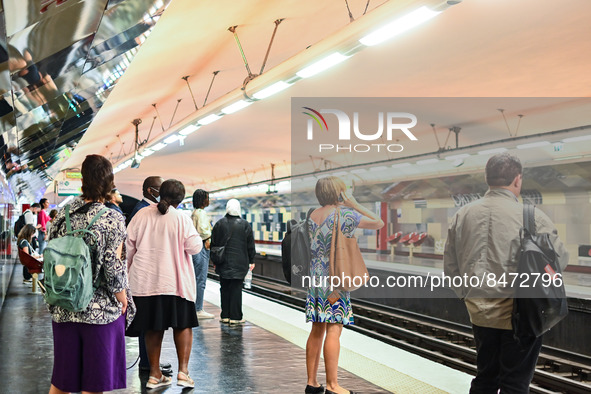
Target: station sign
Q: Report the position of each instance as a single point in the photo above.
(73, 175)
(69, 187)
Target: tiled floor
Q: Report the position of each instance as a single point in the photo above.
(241, 359)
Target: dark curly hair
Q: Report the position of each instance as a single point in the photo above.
(172, 192)
(97, 178)
(200, 196)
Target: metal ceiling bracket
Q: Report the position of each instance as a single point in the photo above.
(186, 78)
(158, 114)
(210, 85)
(232, 29)
(178, 101)
(456, 130)
(277, 23)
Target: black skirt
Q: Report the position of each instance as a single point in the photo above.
(158, 313)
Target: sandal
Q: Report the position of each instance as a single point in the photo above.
(154, 382)
(186, 382)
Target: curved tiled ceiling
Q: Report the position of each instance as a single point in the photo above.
(59, 60)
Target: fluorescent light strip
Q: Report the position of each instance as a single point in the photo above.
(401, 165)
(237, 106)
(171, 139)
(321, 65)
(128, 163)
(378, 168)
(576, 139)
(67, 200)
(427, 161)
(189, 129)
(209, 119)
(457, 157)
(271, 90)
(492, 151)
(158, 146)
(533, 145)
(359, 171)
(147, 152)
(398, 26)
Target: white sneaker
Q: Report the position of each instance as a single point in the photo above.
(201, 315)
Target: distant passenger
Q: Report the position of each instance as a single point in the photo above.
(89, 346)
(151, 192)
(484, 238)
(114, 200)
(52, 215)
(201, 260)
(330, 310)
(42, 220)
(31, 218)
(160, 242)
(236, 234)
(25, 238)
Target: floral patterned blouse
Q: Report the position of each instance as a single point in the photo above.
(318, 308)
(110, 233)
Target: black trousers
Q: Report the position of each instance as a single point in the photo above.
(503, 363)
(231, 297)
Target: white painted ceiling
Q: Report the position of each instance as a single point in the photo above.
(500, 48)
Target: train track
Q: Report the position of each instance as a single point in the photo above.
(438, 340)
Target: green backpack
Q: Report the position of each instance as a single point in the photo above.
(68, 268)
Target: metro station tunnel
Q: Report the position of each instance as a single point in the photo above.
(248, 153)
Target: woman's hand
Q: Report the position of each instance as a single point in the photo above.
(349, 200)
(122, 298)
(207, 243)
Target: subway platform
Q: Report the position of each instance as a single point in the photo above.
(265, 355)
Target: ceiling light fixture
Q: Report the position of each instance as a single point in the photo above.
(324, 64)
(457, 157)
(209, 119)
(533, 145)
(171, 139)
(237, 106)
(271, 90)
(188, 130)
(577, 139)
(427, 161)
(492, 151)
(398, 26)
(158, 146)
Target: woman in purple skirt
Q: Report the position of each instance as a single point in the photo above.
(89, 346)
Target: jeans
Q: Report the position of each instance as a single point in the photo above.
(502, 362)
(42, 242)
(201, 264)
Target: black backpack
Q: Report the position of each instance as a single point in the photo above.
(540, 298)
(295, 251)
(19, 224)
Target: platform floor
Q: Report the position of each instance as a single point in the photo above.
(240, 359)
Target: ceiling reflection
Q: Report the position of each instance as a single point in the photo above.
(59, 59)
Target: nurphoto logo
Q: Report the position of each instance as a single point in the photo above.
(391, 122)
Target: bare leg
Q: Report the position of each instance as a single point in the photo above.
(183, 340)
(332, 348)
(55, 390)
(154, 347)
(313, 349)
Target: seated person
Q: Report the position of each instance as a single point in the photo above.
(25, 238)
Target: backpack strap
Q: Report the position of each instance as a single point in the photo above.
(529, 218)
(87, 228)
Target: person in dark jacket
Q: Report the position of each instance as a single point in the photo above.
(236, 234)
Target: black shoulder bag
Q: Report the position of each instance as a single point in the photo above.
(216, 253)
(540, 298)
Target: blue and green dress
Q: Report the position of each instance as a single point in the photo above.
(318, 308)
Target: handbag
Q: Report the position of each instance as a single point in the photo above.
(345, 260)
(216, 253)
(539, 304)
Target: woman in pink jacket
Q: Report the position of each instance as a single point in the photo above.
(160, 242)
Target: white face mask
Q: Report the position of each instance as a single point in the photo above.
(154, 197)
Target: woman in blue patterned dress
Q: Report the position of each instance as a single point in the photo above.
(330, 311)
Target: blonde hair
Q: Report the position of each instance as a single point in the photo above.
(329, 189)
